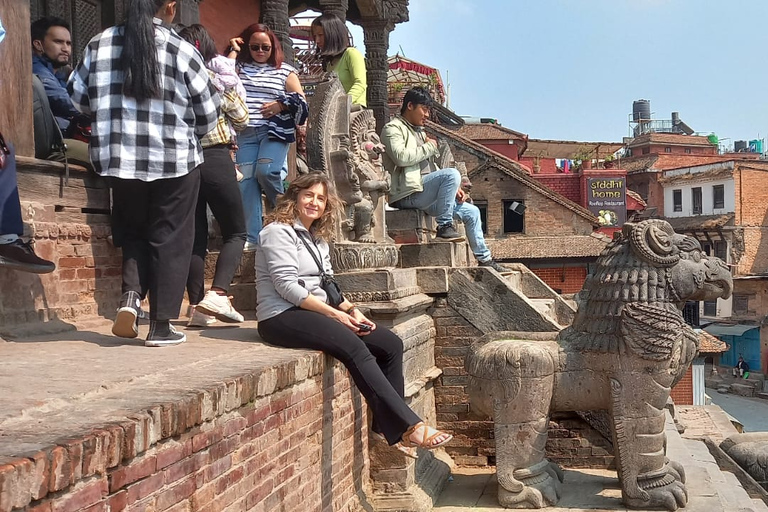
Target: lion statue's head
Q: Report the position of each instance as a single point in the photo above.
(644, 276)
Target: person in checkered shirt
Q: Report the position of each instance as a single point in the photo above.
(150, 97)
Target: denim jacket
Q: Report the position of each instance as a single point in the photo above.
(404, 154)
(56, 89)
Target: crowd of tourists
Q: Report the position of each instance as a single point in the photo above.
(177, 129)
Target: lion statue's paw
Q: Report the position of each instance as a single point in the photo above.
(538, 486)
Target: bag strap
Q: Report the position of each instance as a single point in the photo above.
(311, 252)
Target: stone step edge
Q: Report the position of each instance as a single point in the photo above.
(727, 464)
(22, 477)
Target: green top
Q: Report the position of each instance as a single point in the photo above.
(351, 70)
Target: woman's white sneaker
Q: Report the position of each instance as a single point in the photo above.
(220, 307)
(199, 319)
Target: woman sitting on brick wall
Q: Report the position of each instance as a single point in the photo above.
(293, 310)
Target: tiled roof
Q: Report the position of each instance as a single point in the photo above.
(699, 222)
(719, 173)
(665, 162)
(489, 131)
(509, 167)
(670, 138)
(708, 344)
(546, 247)
(636, 197)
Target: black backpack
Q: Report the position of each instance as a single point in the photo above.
(48, 136)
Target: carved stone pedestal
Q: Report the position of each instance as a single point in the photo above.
(392, 298)
(351, 256)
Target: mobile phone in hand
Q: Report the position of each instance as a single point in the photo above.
(364, 328)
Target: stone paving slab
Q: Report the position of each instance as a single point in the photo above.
(57, 386)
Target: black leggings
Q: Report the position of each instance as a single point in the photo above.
(375, 362)
(219, 190)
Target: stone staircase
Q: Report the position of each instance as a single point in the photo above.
(709, 488)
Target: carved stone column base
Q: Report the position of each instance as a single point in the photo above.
(348, 256)
(432, 472)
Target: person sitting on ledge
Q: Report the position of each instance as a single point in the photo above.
(15, 254)
(741, 369)
(418, 184)
(293, 310)
(51, 53)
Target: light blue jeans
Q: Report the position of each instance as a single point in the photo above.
(438, 200)
(261, 161)
(469, 214)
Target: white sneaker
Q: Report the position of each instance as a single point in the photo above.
(220, 307)
(198, 319)
(250, 246)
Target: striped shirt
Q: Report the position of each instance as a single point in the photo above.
(150, 139)
(263, 83)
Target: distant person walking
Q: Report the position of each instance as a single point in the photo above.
(150, 97)
(332, 39)
(276, 106)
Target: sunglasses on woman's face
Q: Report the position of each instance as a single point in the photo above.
(257, 47)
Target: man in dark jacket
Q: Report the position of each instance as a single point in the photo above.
(51, 55)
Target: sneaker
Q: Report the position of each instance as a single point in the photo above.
(127, 319)
(220, 307)
(158, 338)
(495, 266)
(198, 319)
(448, 233)
(250, 246)
(19, 255)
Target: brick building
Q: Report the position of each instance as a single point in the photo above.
(554, 236)
(723, 205)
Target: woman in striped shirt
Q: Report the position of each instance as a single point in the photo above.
(272, 89)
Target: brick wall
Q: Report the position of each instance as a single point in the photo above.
(751, 189)
(546, 165)
(86, 282)
(542, 217)
(682, 393)
(572, 441)
(299, 447)
(568, 185)
(563, 279)
(225, 19)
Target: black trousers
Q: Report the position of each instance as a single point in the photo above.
(375, 362)
(10, 208)
(220, 191)
(157, 221)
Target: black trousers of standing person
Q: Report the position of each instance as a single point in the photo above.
(220, 191)
(157, 221)
(375, 362)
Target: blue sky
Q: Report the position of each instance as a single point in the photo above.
(570, 69)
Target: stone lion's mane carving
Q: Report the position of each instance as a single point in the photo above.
(627, 347)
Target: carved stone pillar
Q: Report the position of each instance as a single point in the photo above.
(274, 14)
(376, 37)
(337, 7)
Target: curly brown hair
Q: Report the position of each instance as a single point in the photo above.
(287, 210)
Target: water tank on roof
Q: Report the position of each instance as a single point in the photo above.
(739, 146)
(641, 110)
(713, 139)
(756, 146)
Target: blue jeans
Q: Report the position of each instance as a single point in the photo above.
(469, 214)
(260, 160)
(10, 208)
(437, 198)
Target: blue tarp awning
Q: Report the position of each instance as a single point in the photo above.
(729, 329)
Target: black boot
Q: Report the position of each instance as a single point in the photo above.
(18, 255)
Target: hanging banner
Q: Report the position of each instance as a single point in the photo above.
(607, 199)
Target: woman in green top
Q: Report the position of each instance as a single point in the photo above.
(332, 39)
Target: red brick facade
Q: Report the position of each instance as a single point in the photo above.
(682, 394)
(565, 279)
(299, 448)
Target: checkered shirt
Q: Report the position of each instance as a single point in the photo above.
(150, 139)
(234, 115)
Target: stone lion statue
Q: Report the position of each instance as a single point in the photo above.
(627, 347)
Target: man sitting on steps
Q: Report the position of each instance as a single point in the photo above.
(418, 184)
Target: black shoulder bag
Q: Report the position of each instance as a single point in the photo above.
(327, 282)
